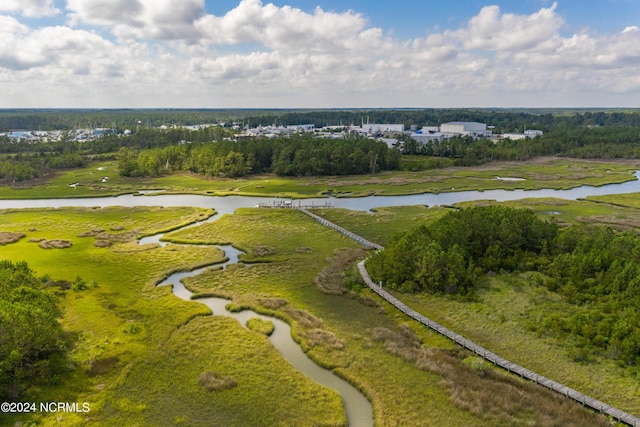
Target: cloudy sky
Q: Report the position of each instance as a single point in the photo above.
(319, 53)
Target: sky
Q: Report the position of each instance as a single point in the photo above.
(319, 53)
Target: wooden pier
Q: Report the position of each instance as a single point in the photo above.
(290, 204)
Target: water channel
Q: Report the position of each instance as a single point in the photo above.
(357, 407)
(228, 204)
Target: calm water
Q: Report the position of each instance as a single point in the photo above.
(229, 204)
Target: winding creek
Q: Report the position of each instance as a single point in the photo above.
(358, 409)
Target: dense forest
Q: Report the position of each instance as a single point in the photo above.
(33, 345)
(300, 155)
(594, 270)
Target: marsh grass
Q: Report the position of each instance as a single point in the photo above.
(334, 329)
(539, 173)
(102, 366)
(174, 342)
(488, 393)
(331, 280)
(264, 327)
(212, 381)
(384, 222)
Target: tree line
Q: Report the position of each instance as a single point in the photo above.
(582, 134)
(298, 155)
(594, 270)
(604, 142)
(504, 120)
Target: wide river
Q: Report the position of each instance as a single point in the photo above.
(358, 409)
(229, 204)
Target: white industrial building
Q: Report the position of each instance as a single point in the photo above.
(302, 128)
(451, 129)
(374, 128)
(532, 133)
(529, 133)
(424, 137)
(474, 129)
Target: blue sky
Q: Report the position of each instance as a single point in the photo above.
(414, 18)
(319, 53)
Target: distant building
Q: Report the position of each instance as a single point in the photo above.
(302, 128)
(514, 136)
(473, 129)
(529, 133)
(423, 137)
(374, 128)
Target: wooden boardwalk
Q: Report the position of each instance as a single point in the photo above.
(349, 234)
(583, 399)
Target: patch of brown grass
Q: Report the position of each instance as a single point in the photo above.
(488, 393)
(305, 318)
(213, 381)
(102, 236)
(7, 237)
(273, 303)
(320, 337)
(621, 224)
(55, 244)
(331, 279)
(91, 233)
(262, 250)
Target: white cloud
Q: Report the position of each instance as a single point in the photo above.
(491, 30)
(287, 28)
(146, 19)
(171, 53)
(29, 8)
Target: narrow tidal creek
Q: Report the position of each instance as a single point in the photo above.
(358, 409)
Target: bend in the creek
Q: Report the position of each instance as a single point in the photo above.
(358, 409)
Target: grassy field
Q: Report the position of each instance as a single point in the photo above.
(394, 362)
(144, 357)
(498, 320)
(554, 173)
(141, 352)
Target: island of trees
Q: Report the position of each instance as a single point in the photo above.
(593, 268)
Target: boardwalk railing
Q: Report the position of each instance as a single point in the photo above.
(583, 399)
(349, 234)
